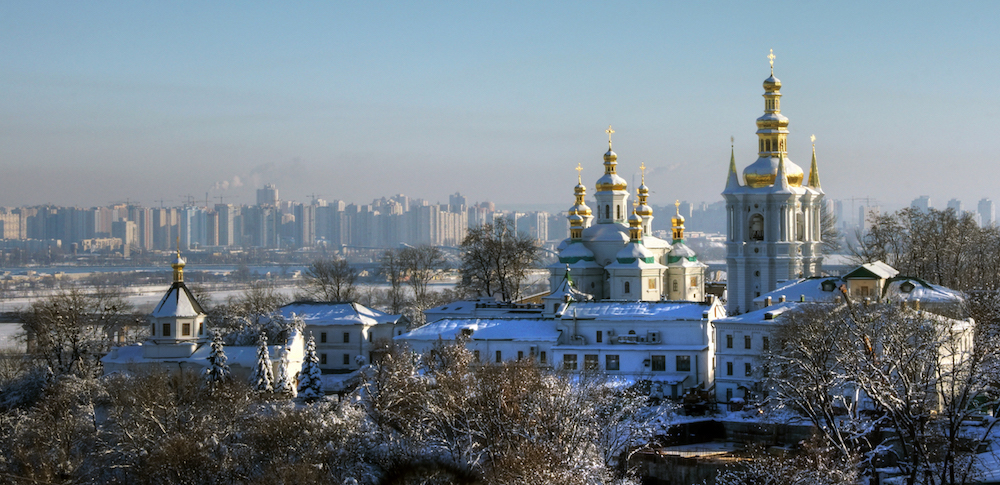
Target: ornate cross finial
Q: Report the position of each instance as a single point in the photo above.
(677, 205)
(812, 138)
(642, 167)
(770, 57)
(609, 131)
(579, 169)
(732, 141)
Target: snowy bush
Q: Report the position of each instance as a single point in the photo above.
(262, 378)
(310, 378)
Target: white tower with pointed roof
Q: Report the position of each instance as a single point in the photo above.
(177, 325)
(773, 220)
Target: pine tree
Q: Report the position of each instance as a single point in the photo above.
(262, 379)
(310, 383)
(286, 384)
(217, 370)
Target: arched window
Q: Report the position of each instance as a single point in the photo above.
(800, 226)
(756, 227)
(618, 211)
(607, 212)
(674, 286)
(767, 144)
(627, 287)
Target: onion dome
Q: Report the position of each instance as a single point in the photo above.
(635, 224)
(580, 194)
(634, 252)
(610, 180)
(575, 226)
(178, 266)
(677, 222)
(643, 195)
(681, 253)
(772, 83)
(575, 253)
(764, 172)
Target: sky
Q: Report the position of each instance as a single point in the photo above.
(106, 102)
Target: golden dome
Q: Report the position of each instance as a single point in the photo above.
(764, 171)
(772, 84)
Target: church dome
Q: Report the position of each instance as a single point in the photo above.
(575, 252)
(611, 181)
(772, 83)
(764, 171)
(610, 156)
(634, 252)
(644, 210)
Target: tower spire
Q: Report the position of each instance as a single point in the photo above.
(814, 169)
(733, 180)
(782, 176)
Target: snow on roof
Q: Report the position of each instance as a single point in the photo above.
(876, 269)
(178, 302)
(921, 290)
(636, 310)
(811, 288)
(524, 329)
(759, 316)
(336, 313)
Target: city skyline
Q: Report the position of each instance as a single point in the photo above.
(157, 101)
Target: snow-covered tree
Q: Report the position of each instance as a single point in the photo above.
(310, 382)
(217, 370)
(262, 379)
(286, 381)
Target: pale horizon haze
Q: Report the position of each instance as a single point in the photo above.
(103, 102)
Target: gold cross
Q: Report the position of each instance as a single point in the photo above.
(609, 131)
(771, 58)
(812, 138)
(677, 205)
(642, 167)
(578, 170)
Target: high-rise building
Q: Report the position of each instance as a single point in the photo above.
(268, 196)
(922, 203)
(773, 217)
(987, 213)
(956, 205)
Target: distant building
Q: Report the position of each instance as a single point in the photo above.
(987, 212)
(267, 196)
(922, 203)
(955, 205)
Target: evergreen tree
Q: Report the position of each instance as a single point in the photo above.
(310, 384)
(286, 383)
(262, 378)
(217, 370)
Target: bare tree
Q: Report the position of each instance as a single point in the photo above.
(391, 268)
(330, 280)
(496, 259)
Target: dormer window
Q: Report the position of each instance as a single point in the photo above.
(186, 329)
(907, 287)
(166, 329)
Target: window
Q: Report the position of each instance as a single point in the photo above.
(322, 359)
(729, 341)
(611, 362)
(674, 285)
(369, 336)
(166, 329)
(600, 336)
(590, 361)
(659, 363)
(322, 337)
(694, 282)
(569, 362)
(627, 287)
(520, 354)
(499, 357)
(757, 227)
(347, 337)
(541, 357)
(683, 363)
(766, 343)
(347, 359)
(152, 329)
(729, 368)
(729, 394)
(607, 212)
(201, 329)
(618, 211)
(475, 355)
(746, 369)
(652, 283)
(186, 329)
(746, 342)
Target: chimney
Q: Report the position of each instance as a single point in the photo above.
(802, 298)
(767, 301)
(781, 299)
(916, 304)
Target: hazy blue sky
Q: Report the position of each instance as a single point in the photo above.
(103, 101)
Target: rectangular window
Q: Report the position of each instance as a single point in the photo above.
(322, 359)
(746, 369)
(600, 336)
(347, 359)
(659, 363)
(569, 362)
(520, 355)
(729, 394)
(201, 329)
(541, 357)
(590, 361)
(152, 329)
(166, 329)
(347, 337)
(746, 342)
(729, 341)
(186, 329)
(499, 357)
(475, 355)
(766, 343)
(683, 363)
(652, 283)
(729, 368)
(322, 337)
(694, 282)
(369, 336)
(611, 362)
